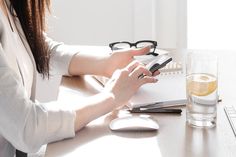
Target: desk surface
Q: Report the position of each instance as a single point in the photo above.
(174, 138)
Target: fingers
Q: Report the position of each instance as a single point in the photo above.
(142, 51)
(148, 79)
(133, 65)
(139, 71)
(156, 73)
(136, 69)
(126, 71)
(146, 75)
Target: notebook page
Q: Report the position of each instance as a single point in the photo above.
(168, 91)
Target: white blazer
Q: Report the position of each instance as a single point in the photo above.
(25, 124)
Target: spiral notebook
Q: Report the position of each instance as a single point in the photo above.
(168, 91)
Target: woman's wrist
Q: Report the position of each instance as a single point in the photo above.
(110, 99)
(97, 106)
(107, 69)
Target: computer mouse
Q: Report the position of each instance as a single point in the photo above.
(133, 123)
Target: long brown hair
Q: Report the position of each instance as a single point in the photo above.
(31, 14)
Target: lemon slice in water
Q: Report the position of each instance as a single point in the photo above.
(201, 84)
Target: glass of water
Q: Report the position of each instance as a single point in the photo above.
(201, 89)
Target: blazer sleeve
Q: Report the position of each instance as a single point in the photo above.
(25, 124)
(60, 56)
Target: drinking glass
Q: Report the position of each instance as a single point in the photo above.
(201, 89)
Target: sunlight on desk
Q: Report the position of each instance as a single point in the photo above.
(98, 140)
(119, 146)
(112, 145)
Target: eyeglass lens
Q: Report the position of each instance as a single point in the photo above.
(121, 45)
(145, 44)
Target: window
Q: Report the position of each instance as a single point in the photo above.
(211, 24)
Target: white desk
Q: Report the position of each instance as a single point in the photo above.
(174, 138)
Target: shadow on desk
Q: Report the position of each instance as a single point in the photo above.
(202, 139)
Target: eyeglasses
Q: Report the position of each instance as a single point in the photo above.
(139, 44)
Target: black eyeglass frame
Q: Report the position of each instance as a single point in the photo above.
(154, 43)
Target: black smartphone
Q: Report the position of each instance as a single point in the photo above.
(159, 62)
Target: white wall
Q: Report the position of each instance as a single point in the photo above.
(90, 22)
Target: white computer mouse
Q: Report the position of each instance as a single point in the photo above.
(133, 123)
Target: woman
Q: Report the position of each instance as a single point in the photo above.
(24, 49)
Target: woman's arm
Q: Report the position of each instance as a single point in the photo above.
(71, 60)
(105, 64)
(94, 107)
(86, 63)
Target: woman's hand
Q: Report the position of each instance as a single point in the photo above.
(125, 82)
(120, 59)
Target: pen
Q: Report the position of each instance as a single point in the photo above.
(161, 104)
(155, 110)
